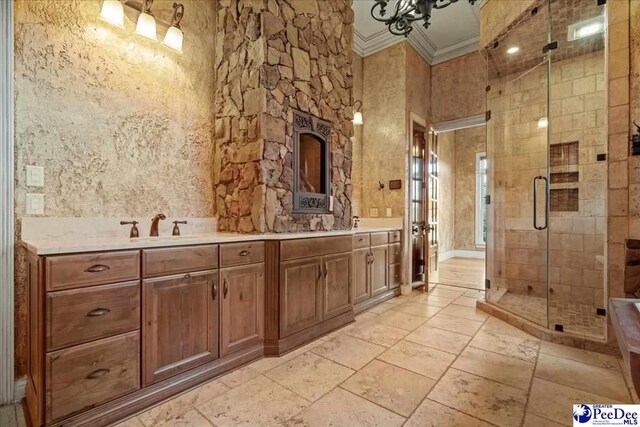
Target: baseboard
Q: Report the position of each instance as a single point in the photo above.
(19, 387)
(457, 253)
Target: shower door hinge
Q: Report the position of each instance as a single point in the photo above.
(559, 328)
(487, 115)
(601, 311)
(601, 2)
(487, 284)
(550, 46)
(487, 199)
(487, 88)
(601, 157)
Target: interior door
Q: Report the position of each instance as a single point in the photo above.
(431, 176)
(419, 250)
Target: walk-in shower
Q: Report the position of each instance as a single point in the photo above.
(547, 154)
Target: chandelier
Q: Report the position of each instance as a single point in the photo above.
(405, 12)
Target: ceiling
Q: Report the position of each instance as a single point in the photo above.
(454, 31)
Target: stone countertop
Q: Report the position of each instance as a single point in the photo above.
(67, 246)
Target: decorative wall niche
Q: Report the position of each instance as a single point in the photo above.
(311, 166)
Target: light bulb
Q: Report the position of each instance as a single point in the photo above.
(357, 118)
(513, 50)
(146, 26)
(173, 38)
(112, 12)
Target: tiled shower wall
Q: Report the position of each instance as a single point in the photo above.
(577, 111)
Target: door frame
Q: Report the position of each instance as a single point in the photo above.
(407, 257)
(7, 225)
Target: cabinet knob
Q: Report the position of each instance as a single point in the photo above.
(244, 253)
(187, 276)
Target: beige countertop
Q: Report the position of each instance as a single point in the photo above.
(57, 246)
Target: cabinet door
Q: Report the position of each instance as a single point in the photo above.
(300, 295)
(242, 307)
(379, 270)
(338, 293)
(361, 282)
(179, 323)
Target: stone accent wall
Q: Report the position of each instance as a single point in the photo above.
(276, 56)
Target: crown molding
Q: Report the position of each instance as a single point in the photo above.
(365, 46)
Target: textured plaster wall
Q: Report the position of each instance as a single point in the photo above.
(458, 88)
(384, 130)
(468, 142)
(123, 126)
(446, 191)
(418, 84)
(497, 15)
(356, 172)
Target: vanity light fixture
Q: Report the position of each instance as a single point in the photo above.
(146, 26)
(113, 12)
(174, 36)
(357, 115)
(513, 50)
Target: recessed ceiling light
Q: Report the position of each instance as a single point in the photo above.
(513, 50)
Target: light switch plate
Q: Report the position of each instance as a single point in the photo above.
(35, 204)
(35, 176)
(388, 213)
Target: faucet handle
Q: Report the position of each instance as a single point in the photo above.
(176, 229)
(134, 230)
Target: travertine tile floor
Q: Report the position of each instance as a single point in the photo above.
(425, 359)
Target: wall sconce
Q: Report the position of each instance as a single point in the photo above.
(357, 115)
(146, 23)
(113, 13)
(174, 36)
(146, 26)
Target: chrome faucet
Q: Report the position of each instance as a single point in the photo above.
(356, 221)
(154, 224)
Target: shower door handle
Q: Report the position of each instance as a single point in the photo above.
(535, 203)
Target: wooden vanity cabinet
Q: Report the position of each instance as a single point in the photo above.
(300, 295)
(242, 307)
(179, 323)
(376, 268)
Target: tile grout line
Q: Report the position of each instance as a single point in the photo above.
(533, 376)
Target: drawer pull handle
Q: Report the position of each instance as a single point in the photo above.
(187, 276)
(214, 290)
(98, 373)
(98, 312)
(225, 290)
(97, 268)
(244, 253)
(361, 240)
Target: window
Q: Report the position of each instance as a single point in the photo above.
(481, 193)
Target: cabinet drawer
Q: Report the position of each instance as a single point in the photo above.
(314, 246)
(395, 253)
(81, 377)
(395, 275)
(73, 271)
(378, 239)
(395, 236)
(80, 315)
(361, 241)
(166, 261)
(241, 253)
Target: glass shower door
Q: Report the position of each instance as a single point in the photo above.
(518, 174)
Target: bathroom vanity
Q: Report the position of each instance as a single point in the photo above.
(118, 326)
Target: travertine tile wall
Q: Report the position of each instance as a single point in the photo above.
(576, 244)
(122, 125)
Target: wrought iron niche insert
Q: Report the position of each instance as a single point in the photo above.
(311, 164)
